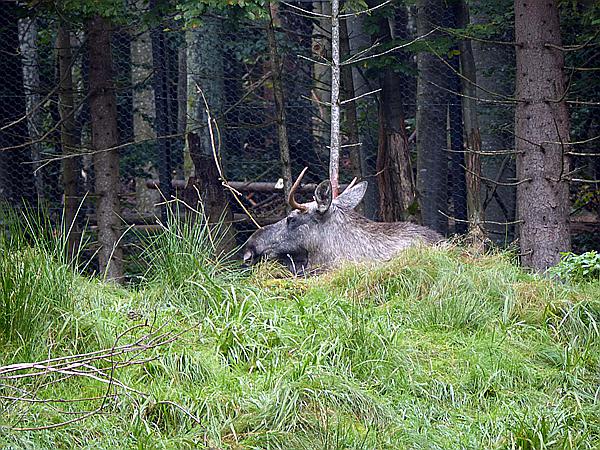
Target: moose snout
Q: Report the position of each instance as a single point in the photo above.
(248, 256)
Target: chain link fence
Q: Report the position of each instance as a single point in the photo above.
(415, 79)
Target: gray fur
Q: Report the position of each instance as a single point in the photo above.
(331, 232)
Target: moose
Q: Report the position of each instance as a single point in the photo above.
(321, 234)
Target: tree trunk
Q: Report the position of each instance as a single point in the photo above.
(473, 139)
(494, 64)
(205, 193)
(457, 185)
(278, 94)
(205, 71)
(541, 123)
(432, 113)
(350, 124)
(103, 115)
(334, 147)
(68, 138)
(161, 106)
(143, 95)
(321, 91)
(360, 39)
(16, 177)
(28, 35)
(394, 168)
(182, 93)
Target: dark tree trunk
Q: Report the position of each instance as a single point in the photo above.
(457, 185)
(541, 123)
(472, 136)
(161, 106)
(278, 94)
(205, 193)
(359, 39)
(28, 42)
(395, 176)
(16, 172)
(432, 99)
(103, 115)
(350, 119)
(494, 67)
(68, 138)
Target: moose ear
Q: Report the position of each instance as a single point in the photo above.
(350, 198)
(323, 196)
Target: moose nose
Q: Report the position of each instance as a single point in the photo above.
(248, 256)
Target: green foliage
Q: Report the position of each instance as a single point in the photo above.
(190, 12)
(578, 268)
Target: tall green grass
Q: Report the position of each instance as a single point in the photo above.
(437, 349)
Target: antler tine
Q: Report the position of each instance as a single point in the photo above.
(291, 197)
(352, 183)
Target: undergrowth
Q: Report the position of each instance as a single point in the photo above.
(438, 349)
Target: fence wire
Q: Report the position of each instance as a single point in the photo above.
(159, 68)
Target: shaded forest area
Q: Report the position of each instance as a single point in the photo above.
(474, 118)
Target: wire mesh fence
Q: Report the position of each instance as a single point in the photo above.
(431, 128)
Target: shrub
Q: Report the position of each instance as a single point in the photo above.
(578, 268)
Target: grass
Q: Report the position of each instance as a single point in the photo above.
(438, 349)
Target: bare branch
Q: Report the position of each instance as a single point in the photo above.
(305, 11)
(354, 60)
(453, 32)
(460, 75)
(489, 180)
(572, 48)
(314, 61)
(215, 151)
(365, 11)
(359, 96)
(491, 222)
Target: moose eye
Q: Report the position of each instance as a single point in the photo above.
(290, 220)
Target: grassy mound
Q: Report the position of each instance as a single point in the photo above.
(435, 350)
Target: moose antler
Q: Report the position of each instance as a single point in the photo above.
(291, 200)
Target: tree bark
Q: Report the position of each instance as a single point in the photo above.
(103, 114)
(350, 124)
(321, 91)
(28, 35)
(541, 123)
(471, 132)
(359, 39)
(494, 65)
(68, 138)
(161, 107)
(205, 193)
(432, 113)
(334, 147)
(457, 185)
(143, 95)
(206, 71)
(16, 177)
(278, 94)
(394, 168)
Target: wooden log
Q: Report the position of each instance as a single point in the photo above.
(244, 186)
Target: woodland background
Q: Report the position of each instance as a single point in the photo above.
(102, 121)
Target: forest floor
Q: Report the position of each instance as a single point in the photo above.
(439, 349)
